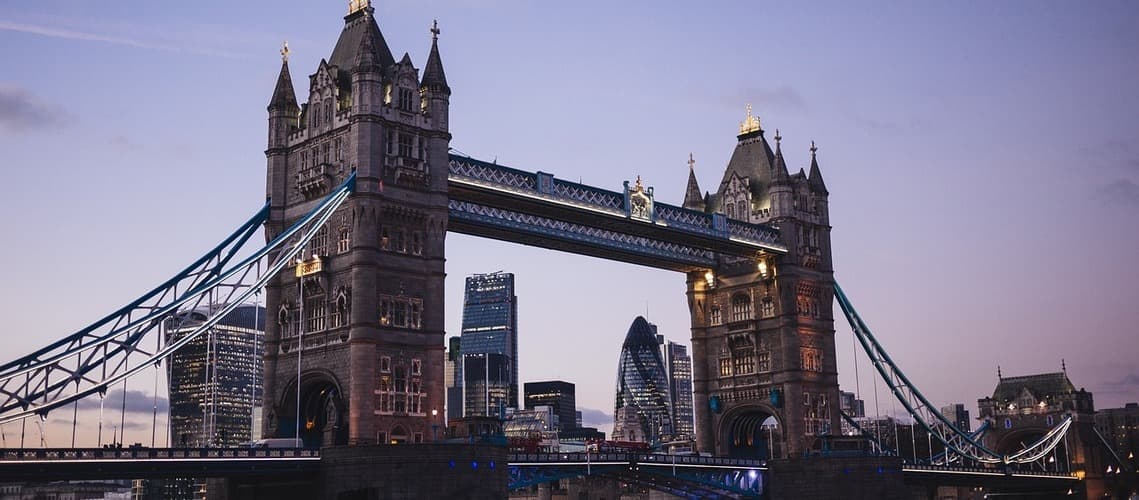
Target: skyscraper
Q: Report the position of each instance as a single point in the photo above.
(678, 369)
(556, 394)
(642, 386)
(957, 414)
(215, 380)
(489, 345)
(453, 375)
(215, 384)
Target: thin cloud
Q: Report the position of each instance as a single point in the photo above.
(72, 34)
(594, 418)
(782, 98)
(22, 111)
(137, 402)
(1119, 192)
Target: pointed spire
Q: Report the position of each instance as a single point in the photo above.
(692, 198)
(284, 96)
(406, 59)
(999, 377)
(779, 176)
(433, 76)
(1063, 366)
(815, 179)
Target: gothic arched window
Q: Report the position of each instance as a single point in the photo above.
(741, 307)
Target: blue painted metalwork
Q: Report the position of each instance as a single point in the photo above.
(866, 434)
(92, 361)
(567, 231)
(691, 476)
(542, 187)
(927, 415)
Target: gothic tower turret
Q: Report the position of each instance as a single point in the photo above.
(363, 327)
(763, 328)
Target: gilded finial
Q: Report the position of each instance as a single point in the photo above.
(356, 5)
(691, 162)
(813, 148)
(285, 52)
(435, 29)
(750, 123)
(638, 187)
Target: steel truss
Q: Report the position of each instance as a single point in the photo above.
(920, 409)
(115, 347)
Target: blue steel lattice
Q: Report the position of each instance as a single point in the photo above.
(562, 230)
(545, 187)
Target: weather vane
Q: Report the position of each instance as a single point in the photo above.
(435, 29)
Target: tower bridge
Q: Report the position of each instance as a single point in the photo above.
(363, 188)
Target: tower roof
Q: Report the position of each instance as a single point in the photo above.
(357, 25)
(815, 177)
(692, 198)
(284, 96)
(779, 169)
(433, 76)
(1041, 386)
(752, 160)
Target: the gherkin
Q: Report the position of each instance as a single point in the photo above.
(642, 382)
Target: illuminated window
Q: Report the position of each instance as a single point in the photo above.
(743, 360)
(717, 316)
(319, 242)
(767, 307)
(741, 307)
(344, 242)
(725, 367)
(811, 359)
(401, 312)
(764, 361)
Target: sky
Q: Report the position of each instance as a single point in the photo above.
(982, 159)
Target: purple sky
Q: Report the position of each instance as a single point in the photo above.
(982, 159)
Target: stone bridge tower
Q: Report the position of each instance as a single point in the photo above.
(361, 317)
(763, 329)
(1023, 409)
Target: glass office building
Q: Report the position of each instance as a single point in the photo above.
(642, 382)
(489, 345)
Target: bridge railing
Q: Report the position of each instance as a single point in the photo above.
(640, 458)
(988, 471)
(85, 454)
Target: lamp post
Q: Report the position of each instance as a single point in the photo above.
(300, 346)
(434, 424)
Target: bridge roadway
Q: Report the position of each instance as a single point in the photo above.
(674, 472)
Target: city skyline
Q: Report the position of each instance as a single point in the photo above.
(983, 137)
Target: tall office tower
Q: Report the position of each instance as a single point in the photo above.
(849, 403)
(489, 345)
(642, 386)
(556, 394)
(215, 386)
(957, 414)
(215, 380)
(453, 375)
(678, 369)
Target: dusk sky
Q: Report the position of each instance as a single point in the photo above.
(982, 159)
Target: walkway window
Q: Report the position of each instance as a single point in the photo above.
(743, 360)
(717, 317)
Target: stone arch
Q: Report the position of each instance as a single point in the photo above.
(323, 410)
(743, 434)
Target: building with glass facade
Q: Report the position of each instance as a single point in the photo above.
(642, 384)
(489, 345)
(678, 368)
(453, 378)
(558, 395)
(215, 384)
